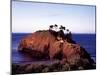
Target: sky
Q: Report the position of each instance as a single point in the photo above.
(28, 17)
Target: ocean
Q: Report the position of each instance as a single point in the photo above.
(88, 41)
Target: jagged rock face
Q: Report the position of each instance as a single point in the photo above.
(44, 44)
(37, 44)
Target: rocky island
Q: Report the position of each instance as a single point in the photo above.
(54, 46)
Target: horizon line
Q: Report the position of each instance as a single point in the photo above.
(33, 32)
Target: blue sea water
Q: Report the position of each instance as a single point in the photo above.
(88, 41)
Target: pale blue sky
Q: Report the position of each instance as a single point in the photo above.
(31, 16)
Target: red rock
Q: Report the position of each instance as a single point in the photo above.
(44, 44)
(37, 44)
